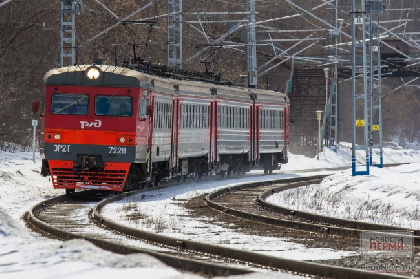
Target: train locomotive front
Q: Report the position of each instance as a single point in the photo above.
(94, 127)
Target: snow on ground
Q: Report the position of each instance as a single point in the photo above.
(23, 254)
(163, 211)
(387, 196)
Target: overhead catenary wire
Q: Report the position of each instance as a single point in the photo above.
(5, 2)
(120, 22)
(106, 8)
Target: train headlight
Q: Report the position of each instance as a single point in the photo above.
(57, 137)
(93, 73)
(122, 139)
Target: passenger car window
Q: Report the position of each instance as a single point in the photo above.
(69, 104)
(144, 103)
(113, 105)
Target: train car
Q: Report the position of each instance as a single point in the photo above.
(115, 128)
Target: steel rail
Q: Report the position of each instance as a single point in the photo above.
(303, 267)
(348, 227)
(297, 266)
(192, 265)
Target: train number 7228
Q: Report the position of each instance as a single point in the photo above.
(117, 150)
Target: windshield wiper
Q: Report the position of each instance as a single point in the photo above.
(72, 104)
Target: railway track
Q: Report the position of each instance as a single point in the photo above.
(67, 218)
(248, 201)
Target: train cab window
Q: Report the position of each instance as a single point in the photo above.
(113, 105)
(76, 104)
(144, 103)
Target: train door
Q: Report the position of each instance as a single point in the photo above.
(174, 137)
(257, 135)
(286, 129)
(151, 113)
(213, 124)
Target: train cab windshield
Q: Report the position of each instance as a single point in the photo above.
(69, 104)
(113, 105)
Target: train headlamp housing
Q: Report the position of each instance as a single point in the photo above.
(122, 139)
(53, 137)
(93, 73)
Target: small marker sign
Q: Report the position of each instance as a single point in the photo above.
(375, 127)
(360, 123)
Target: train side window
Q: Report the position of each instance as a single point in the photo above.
(222, 116)
(226, 117)
(220, 113)
(267, 120)
(200, 116)
(207, 117)
(246, 119)
(156, 116)
(144, 103)
(231, 117)
(159, 115)
(167, 116)
(76, 104)
(187, 112)
(183, 117)
(281, 119)
(188, 123)
(197, 116)
(193, 116)
(241, 117)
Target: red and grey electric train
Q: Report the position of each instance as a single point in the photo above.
(113, 128)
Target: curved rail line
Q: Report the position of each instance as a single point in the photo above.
(290, 218)
(327, 271)
(177, 261)
(348, 227)
(303, 224)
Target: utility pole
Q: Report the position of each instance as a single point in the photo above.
(375, 8)
(333, 118)
(359, 96)
(68, 10)
(174, 19)
(368, 10)
(251, 46)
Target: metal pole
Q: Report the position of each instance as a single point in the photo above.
(365, 89)
(371, 88)
(174, 26)
(251, 46)
(353, 88)
(34, 124)
(318, 117)
(381, 162)
(326, 71)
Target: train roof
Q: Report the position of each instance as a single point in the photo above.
(113, 76)
(200, 88)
